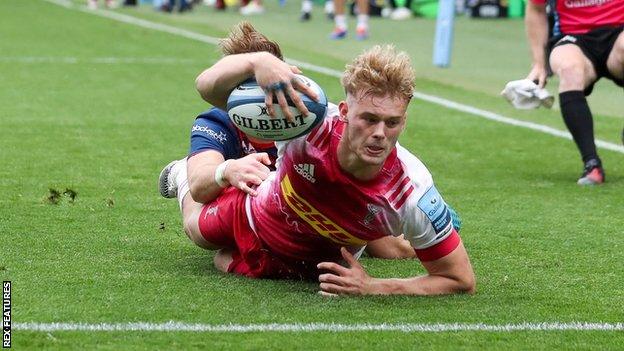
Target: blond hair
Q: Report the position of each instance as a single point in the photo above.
(380, 71)
(244, 38)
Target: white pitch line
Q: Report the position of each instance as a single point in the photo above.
(315, 327)
(98, 60)
(334, 73)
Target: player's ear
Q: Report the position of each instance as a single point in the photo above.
(343, 109)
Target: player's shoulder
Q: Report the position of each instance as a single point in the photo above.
(414, 168)
(214, 115)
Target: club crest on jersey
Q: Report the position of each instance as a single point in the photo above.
(306, 170)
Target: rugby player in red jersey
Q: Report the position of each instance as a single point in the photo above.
(346, 183)
(215, 140)
(587, 43)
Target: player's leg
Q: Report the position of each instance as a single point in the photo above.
(191, 212)
(361, 31)
(173, 183)
(615, 62)
(340, 20)
(306, 10)
(576, 72)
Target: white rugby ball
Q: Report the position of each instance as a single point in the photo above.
(248, 112)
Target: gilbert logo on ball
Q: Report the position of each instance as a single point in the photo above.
(248, 112)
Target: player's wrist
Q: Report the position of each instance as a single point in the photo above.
(219, 174)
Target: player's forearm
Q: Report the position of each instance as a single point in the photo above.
(202, 184)
(423, 286)
(536, 24)
(215, 83)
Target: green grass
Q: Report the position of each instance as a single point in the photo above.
(543, 249)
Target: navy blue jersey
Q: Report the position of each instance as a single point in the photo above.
(213, 130)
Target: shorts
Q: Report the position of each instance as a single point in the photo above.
(596, 45)
(224, 222)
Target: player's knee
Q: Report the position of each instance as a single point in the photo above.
(571, 76)
(192, 231)
(618, 51)
(223, 259)
(467, 283)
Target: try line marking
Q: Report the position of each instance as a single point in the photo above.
(335, 73)
(315, 327)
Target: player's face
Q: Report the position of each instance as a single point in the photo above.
(374, 124)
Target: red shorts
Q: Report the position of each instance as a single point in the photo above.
(224, 222)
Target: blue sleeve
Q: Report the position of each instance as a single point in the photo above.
(212, 130)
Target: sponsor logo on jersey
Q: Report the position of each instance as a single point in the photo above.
(306, 170)
(435, 209)
(318, 221)
(585, 3)
(220, 137)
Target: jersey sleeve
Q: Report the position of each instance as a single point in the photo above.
(427, 222)
(211, 131)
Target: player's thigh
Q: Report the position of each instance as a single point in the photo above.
(191, 212)
(572, 66)
(615, 62)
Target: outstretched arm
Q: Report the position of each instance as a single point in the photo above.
(536, 24)
(450, 274)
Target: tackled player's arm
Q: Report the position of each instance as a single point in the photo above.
(275, 76)
(244, 173)
(201, 169)
(215, 83)
(536, 26)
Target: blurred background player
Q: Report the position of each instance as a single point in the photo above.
(340, 20)
(306, 10)
(254, 7)
(587, 44)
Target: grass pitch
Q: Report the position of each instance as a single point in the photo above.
(96, 107)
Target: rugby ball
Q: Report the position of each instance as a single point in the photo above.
(248, 112)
